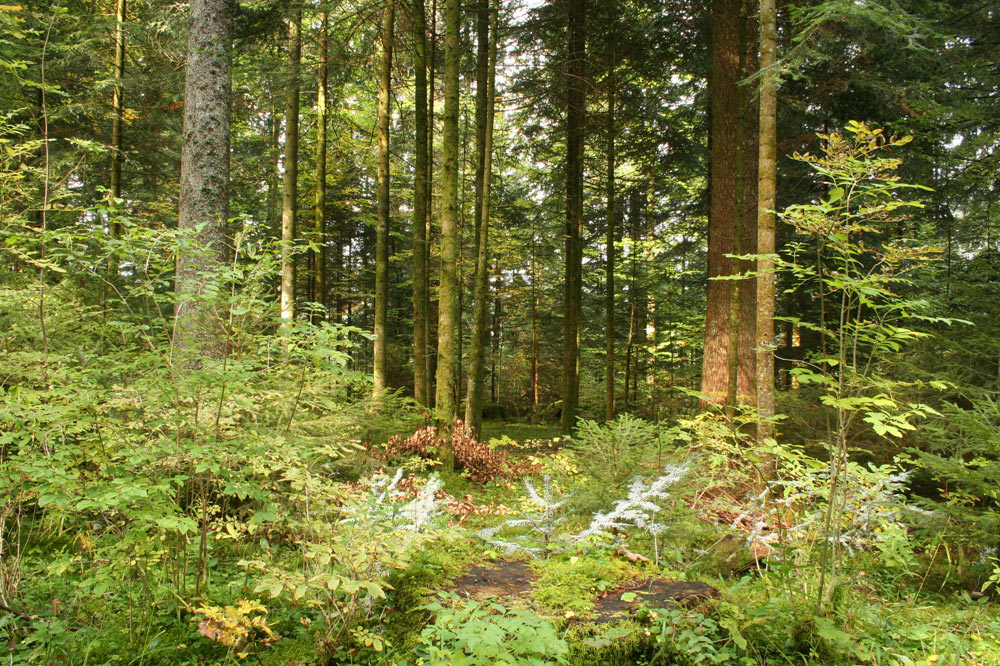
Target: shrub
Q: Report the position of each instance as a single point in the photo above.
(484, 634)
(478, 460)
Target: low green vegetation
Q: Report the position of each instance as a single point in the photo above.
(260, 507)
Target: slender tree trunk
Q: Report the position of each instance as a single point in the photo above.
(722, 206)
(289, 196)
(420, 195)
(767, 178)
(382, 195)
(319, 254)
(612, 220)
(272, 175)
(448, 294)
(204, 190)
(118, 109)
(633, 295)
(535, 304)
(575, 121)
(477, 351)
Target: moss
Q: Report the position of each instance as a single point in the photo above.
(625, 643)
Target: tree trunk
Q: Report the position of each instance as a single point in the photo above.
(319, 254)
(204, 188)
(289, 195)
(118, 110)
(477, 351)
(575, 121)
(633, 295)
(382, 195)
(534, 331)
(612, 220)
(767, 177)
(448, 293)
(420, 196)
(429, 320)
(746, 372)
(722, 205)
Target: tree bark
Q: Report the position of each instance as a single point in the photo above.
(204, 190)
(477, 347)
(319, 253)
(429, 320)
(289, 195)
(448, 295)
(118, 110)
(421, 192)
(612, 220)
(746, 359)
(382, 195)
(722, 204)
(767, 178)
(575, 121)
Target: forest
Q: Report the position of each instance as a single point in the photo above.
(520, 332)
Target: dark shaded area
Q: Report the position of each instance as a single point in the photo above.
(497, 580)
(654, 593)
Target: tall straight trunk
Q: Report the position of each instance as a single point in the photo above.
(722, 204)
(477, 351)
(429, 356)
(319, 254)
(575, 121)
(535, 359)
(633, 296)
(118, 109)
(746, 351)
(382, 195)
(609, 282)
(421, 191)
(289, 195)
(204, 190)
(272, 175)
(448, 295)
(767, 178)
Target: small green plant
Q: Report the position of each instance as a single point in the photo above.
(692, 637)
(609, 452)
(483, 634)
(865, 316)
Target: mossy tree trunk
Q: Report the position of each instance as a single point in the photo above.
(448, 295)
(477, 347)
(289, 195)
(382, 196)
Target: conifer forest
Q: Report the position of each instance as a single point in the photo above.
(500, 332)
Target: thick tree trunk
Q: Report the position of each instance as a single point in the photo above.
(767, 177)
(289, 195)
(575, 121)
(429, 320)
(477, 347)
(421, 191)
(722, 205)
(204, 189)
(448, 293)
(319, 254)
(746, 348)
(382, 195)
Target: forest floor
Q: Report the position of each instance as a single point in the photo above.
(629, 544)
(704, 592)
